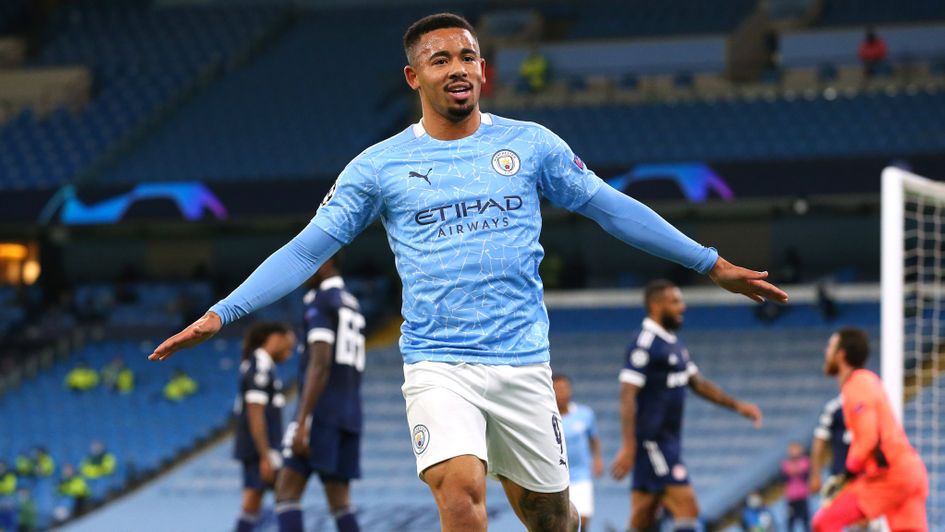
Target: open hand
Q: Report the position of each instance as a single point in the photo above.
(814, 483)
(623, 462)
(196, 333)
(751, 411)
(749, 283)
(300, 442)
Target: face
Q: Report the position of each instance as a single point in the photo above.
(832, 356)
(795, 450)
(282, 346)
(670, 309)
(447, 71)
(562, 392)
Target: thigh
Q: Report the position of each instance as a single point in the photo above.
(443, 418)
(323, 448)
(540, 512)
(347, 466)
(458, 476)
(658, 466)
(338, 494)
(524, 431)
(844, 510)
(290, 462)
(680, 500)
(251, 477)
(643, 509)
(910, 515)
(290, 484)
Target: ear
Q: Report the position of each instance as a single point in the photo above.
(411, 76)
(482, 69)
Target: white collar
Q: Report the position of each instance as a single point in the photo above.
(658, 330)
(335, 281)
(263, 357)
(309, 296)
(419, 130)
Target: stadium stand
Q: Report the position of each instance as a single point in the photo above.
(777, 365)
(296, 125)
(601, 19)
(12, 13)
(751, 130)
(865, 12)
(142, 430)
(142, 59)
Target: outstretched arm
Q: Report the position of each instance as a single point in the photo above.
(709, 391)
(636, 224)
(278, 275)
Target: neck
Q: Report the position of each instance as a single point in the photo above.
(843, 374)
(328, 275)
(442, 128)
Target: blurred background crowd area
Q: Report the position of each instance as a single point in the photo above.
(153, 152)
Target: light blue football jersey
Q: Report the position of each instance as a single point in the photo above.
(580, 425)
(463, 219)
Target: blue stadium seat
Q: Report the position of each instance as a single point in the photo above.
(141, 58)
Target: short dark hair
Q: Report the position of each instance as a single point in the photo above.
(855, 344)
(430, 23)
(655, 289)
(257, 335)
(555, 377)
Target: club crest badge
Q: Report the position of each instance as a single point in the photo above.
(506, 162)
(421, 439)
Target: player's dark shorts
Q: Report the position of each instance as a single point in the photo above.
(334, 454)
(658, 465)
(251, 477)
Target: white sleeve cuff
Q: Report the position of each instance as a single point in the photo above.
(691, 368)
(321, 335)
(632, 377)
(257, 397)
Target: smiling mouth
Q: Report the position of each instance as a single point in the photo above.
(460, 92)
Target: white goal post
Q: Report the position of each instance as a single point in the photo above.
(913, 318)
(910, 270)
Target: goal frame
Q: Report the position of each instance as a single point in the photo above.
(892, 317)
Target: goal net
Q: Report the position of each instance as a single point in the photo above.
(913, 318)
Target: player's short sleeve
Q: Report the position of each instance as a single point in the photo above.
(255, 385)
(564, 178)
(826, 420)
(637, 365)
(319, 320)
(352, 203)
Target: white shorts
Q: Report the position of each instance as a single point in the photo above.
(505, 415)
(582, 495)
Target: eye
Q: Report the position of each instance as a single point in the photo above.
(440, 61)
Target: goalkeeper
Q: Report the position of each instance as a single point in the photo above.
(884, 475)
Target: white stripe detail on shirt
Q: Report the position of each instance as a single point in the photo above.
(656, 458)
(321, 335)
(632, 377)
(256, 397)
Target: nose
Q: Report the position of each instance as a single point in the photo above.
(457, 70)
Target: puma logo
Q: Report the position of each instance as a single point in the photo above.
(422, 176)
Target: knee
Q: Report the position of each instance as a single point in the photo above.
(460, 499)
(549, 512)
